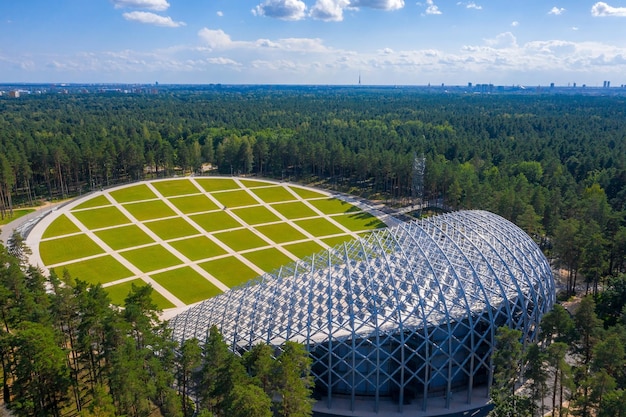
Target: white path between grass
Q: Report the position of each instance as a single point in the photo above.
(36, 235)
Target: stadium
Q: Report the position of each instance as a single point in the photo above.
(401, 320)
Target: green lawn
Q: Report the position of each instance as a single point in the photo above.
(306, 194)
(359, 221)
(175, 187)
(268, 259)
(151, 258)
(217, 220)
(197, 248)
(97, 201)
(229, 270)
(67, 248)
(241, 239)
(237, 198)
(294, 210)
(172, 228)
(98, 218)
(336, 240)
(59, 227)
(319, 227)
(101, 270)
(119, 292)
(118, 232)
(303, 249)
(17, 213)
(133, 193)
(217, 184)
(149, 210)
(253, 183)
(186, 285)
(334, 206)
(281, 232)
(193, 204)
(124, 237)
(256, 215)
(274, 194)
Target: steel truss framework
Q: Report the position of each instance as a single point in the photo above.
(407, 313)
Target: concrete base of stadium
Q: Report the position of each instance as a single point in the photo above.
(459, 406)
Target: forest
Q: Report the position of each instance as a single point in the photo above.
(554, 165)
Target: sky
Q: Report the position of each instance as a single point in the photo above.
(336, 42)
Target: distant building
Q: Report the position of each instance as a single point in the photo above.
(14, 93)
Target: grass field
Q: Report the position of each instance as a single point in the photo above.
(217, 184)
(199, 230)
(186, 284)
(294, 210)
(98, 218)
(215, 221)
(94, 202)
(124, 237)
(359, 221)
(134, 193)
(230, 270)
(197, 248)
(151, 258)
(267, 259)
(118, 292)
(319, 227)
(149, 210)
(256, 215)
(273, 194)
(172, 228)
(173, 188)
(68, 248)
(238, 198)
(60, 226)
(281, 232)
(102, 269)
(241, 239)
(334, 206)
(193, 204)
(303, 249)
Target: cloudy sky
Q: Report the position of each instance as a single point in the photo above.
(394, 42)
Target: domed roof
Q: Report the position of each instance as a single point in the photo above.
(423, 273)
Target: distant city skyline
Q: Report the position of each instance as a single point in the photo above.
(343, 42)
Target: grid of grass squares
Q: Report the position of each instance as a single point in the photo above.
(193, 238)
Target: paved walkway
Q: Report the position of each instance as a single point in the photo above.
(27, 221)
(42, 222)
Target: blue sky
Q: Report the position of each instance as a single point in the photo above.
(403, 42)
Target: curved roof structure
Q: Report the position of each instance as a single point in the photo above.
(409, 311)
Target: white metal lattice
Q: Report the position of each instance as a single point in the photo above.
(405, 313)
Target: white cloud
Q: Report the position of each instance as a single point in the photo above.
(601, 9)
(470, 5)
(223, 61)
(329, 10)
(152, 19)
(378, 4)
(216, 39)
(502, 40)
(157, 5)
(431, 7)
(515, 23)
(574, 28)
(219, 13)
(281, 9)
(556, 10)
(332, 10)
